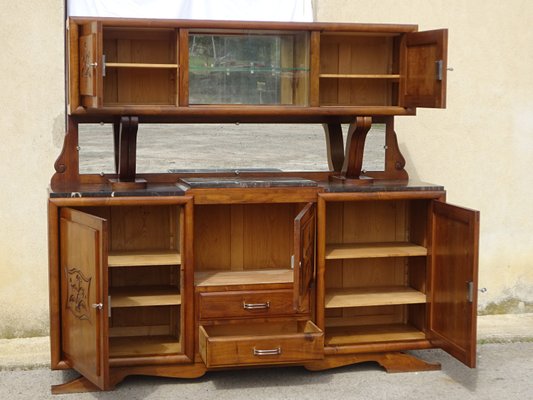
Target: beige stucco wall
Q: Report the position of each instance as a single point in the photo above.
(31, 129)
(480, 147)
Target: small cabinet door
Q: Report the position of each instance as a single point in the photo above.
(84, 317)
(304, 256)
(90, 64)
(424, 66)
(453, 297)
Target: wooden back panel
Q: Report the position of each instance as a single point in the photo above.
(243, 236)
(349, 55)
(140, 85)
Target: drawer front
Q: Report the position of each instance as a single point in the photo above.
(290, 347)
(242, 304)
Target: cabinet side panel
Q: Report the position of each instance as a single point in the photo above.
(54, 285)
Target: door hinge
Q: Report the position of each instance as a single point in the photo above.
(103, 64)
(109, 306)
(470, 294)
(292, 261)
(438, 66)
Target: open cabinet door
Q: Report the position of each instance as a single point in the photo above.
(304, 256)
(84, 301)
(91, 64)
(454, 265)
(423, 69)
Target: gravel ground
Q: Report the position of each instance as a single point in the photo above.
(504, 371)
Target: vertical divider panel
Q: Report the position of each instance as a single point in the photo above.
(183, 46)
(187, 281)
(177, 75)
(314, 95)
(321, 263)
(72, 67)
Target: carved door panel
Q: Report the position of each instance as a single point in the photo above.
(90, 51)
(424, 66)
(84, 313)
(453, 275)
(304, 256)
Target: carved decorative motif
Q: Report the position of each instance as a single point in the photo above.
(85, 60)
(78, 293)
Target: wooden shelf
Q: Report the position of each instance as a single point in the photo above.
(145, 296)
(143, 258)
(346, 335)
(222, 278)
(373, 296)
(374, 250)
(143, 346)
(360, 76)
(140, 65)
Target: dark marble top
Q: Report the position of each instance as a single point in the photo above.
(234, 171)
(242, 182)
(181, 187)
(380, 186)
(106, 191)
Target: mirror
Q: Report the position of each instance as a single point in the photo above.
(164, 148)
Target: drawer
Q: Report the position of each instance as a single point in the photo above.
(241, 304)
(260, 344)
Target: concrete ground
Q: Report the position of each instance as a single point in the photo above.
(505, 371)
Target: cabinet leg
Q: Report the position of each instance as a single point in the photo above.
(391, 362)
(401, 362)
(77, 385)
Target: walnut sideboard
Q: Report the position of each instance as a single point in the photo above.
(175, 274)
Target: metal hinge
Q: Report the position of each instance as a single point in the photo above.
(103, 64)
(470, 294)
(438, 65)
(292, 261)
(109, 306)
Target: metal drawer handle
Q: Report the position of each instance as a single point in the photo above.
(268, 352)
(255, 306)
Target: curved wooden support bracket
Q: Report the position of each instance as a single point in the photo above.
(347, 163)
(352, 161)
(67, 164)
(77, 385)
(125, 143)
(125, 140)
(335, 146)
(394, 160)
(355, 146)
(392, 362)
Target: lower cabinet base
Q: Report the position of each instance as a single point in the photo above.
(391, 362)
(77, 385)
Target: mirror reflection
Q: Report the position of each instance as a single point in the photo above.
(163, 148)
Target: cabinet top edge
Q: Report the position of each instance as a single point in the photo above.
(249, 25)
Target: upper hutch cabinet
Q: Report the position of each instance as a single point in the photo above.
(174, 68)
